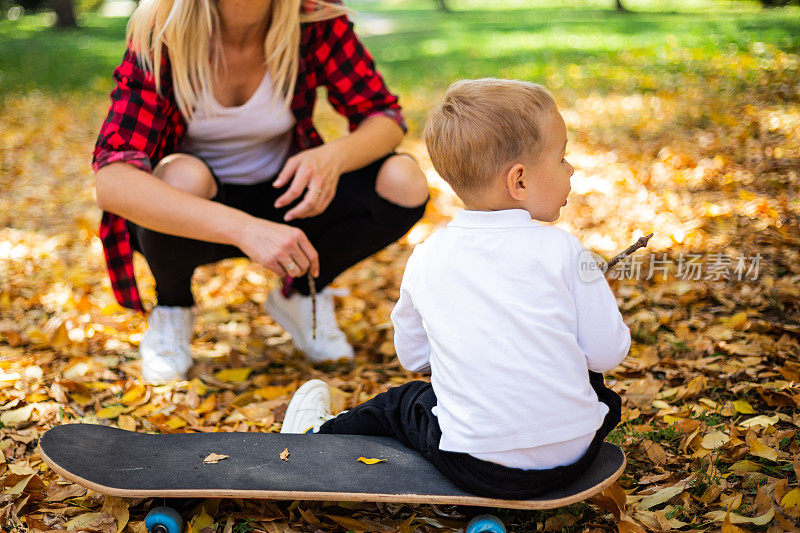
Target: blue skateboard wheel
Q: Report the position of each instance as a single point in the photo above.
(485, 523)
(163, 520)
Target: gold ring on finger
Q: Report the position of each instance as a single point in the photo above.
(315, 190)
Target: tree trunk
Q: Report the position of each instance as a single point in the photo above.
(442, 6)
(620, 7)
(65, 13)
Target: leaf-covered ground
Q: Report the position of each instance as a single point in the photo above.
(686, 125)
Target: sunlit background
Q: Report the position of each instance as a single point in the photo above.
(684, 121)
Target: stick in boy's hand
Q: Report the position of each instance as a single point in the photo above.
(641, 243)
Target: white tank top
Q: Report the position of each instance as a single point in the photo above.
(243, 144)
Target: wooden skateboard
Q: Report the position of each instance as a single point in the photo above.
(280, 467)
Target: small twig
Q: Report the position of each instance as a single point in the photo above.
(312, 286)
(641, 243)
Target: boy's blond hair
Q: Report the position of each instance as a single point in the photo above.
(484, 126)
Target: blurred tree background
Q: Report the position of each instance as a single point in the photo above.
(683, 119)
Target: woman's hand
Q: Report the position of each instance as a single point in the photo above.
(316, 171)
(282, 249)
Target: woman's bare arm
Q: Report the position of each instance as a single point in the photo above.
(151, 203)
(148, 201)
(374, 138)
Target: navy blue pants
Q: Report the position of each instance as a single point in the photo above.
(404, 413)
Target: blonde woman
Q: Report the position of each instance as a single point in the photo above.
(209, 151)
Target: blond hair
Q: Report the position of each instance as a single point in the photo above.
(189, 31)
(482, 127)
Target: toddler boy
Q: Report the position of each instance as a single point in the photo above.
(493, 306)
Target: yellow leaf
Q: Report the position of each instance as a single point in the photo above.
(89, 521)
(201, 522)
(175, 422)
(791, 499)
(134, 395)
(19, 486)
(628, 525)
(350, 524)
(744, 407)
(285, 454)
(207, 405)
(36, 397)
(273, 392)
(144, 410)
(714, 440)
(760, 420)
(338, 400)
(21, 469)
(742, 348)
(118, 508)
(9, 378)
(111, 411)
(243, 399)
(711, 404)
(16, 416)
(309, 516)
(370, 461)
(737, 321)
(110, 309)
(720, 516)
(719, 333)
(727, 527)
(745, 466)
(199, 387)
(662, 496)
(126, 422)
(81, 399)
(214, 458)
(405, 527)
(59, 336)
(234, 375)
(258, 411)
(760, 449)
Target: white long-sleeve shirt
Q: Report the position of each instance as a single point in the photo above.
(493, 305)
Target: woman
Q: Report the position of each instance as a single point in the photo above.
(209, 152)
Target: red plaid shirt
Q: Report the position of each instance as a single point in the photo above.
(143, 126)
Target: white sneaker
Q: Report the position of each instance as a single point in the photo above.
(164, 349)
(309, 409)
(295, 315)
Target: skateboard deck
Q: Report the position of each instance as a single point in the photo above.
(318, 467)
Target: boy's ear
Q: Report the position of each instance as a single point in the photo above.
(516, 182)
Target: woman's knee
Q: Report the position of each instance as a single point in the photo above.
(401, 181)
(187, 173)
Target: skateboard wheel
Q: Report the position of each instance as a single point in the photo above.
(485, 523)
(163, 520)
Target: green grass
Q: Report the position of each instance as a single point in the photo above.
(37, 57)
(589, 48)
(584, 45)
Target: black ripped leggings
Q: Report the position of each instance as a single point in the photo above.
(356, 224)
